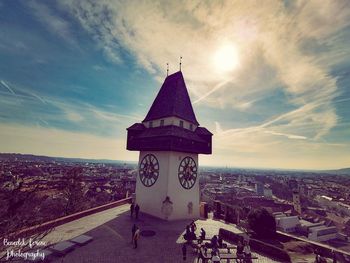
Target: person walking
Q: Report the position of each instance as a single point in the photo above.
(136, 237)
(133, 230)
(137, 210)
(132, 208)
(184, 251)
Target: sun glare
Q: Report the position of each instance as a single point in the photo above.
(226, 58)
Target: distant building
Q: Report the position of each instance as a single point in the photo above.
(323, 233)
(285, 223)
(296, 202)
(305, 226)
(293, 184)
(258, 201)
(259, 188)
(268, 192)
(241, 178)
(328, 202)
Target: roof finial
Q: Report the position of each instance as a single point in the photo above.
(167, 69)
(180, 62)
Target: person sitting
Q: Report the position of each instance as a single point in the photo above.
(239, 252)
(193, 236)
(214, 242)
(318, 258)
(187, 235)
(201, 253)
(247, 252)
(220, 242)
(202, 234)
(214, 251)
(205, 251)
(193, 226)
(215, 258)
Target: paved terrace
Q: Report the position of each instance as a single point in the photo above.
(111, 232)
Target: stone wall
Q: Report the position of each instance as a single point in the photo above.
(257, 245)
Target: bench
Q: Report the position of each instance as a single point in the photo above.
(62, 248)
(81, 240)
(228, 256)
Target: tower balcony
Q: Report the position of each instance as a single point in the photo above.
(169, 138)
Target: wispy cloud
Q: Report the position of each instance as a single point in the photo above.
(55, 24)
(289, 136)
(23, 93)
(284, 101)
(7, 86)
(37, 96)
(270, 38)
(21, 104)
(73, 116)
(262, 147)
(218, 86)
(98, 67)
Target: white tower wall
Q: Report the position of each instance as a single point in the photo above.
(151, 198)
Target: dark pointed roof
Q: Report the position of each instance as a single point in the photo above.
(172, 100)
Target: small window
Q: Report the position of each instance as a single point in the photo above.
(161, 122)
(181, 124)
(191, 127)
(151, 124)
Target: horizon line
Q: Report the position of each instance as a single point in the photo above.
(211, 166)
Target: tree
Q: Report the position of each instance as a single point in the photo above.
(22, 206)
(73, 191)
(262, 223)
(18, 206)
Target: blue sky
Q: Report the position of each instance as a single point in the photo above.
(270, 81)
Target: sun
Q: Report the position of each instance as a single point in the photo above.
(226, 58)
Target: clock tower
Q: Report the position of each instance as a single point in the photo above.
(169, 140)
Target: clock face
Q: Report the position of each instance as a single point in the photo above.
(187, 172)
(149, 170)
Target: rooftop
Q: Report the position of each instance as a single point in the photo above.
(172, 100)
(111, 233)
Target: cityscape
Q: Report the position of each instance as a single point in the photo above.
(311, 205)
(175, 131)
